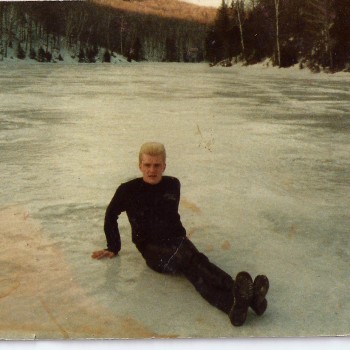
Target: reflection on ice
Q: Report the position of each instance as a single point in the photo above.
(263, 156)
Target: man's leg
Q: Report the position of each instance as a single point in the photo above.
(214, 284)
(181, 256)
(219, 289)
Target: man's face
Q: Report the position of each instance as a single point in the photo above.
(152, 168)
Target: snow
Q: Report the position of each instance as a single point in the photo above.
(68, 57)
(263, 155)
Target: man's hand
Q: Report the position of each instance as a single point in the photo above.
(100, 254)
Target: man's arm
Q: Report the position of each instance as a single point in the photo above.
(115, 207)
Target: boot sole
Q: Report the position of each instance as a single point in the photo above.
(261, 286)
(243, 291)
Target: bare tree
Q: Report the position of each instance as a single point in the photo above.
(8, 25)
(240, 11)
(1, 32)
(69, 27)
(278, 47)
(252, 4)
(75, 24)
(81, 20)
(108, 31)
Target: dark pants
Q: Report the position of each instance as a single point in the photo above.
(179, 255)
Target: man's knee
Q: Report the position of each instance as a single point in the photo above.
(176, 256)
(187, 254)
(160, 258)
(155, 265)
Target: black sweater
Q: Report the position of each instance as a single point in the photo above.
(152, 212)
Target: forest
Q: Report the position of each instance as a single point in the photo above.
(312, 33)
(41, 30)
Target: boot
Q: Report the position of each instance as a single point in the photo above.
(243, 294)
(260, 287)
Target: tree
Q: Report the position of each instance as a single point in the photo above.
(135, 52)
(107, 57)
(91, 54)
(212, 45)
(280, 26)
(238, 6)
(319, 20)
(170, 50)
(222, 26)
(48, 56)
(29, 39)
(292, 32)
(20, 52)
(9, 18)
(41, 55)
(81, 56)
(260, 31)
(1, 32)
(278, 47)
(32, 54)
(219, 40)
(86, 24)
(340, 33)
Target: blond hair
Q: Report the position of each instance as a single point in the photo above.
(152, 149)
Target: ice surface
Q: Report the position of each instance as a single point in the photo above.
(263, 156)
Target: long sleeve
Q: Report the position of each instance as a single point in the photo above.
(152, 211)
(114, 209)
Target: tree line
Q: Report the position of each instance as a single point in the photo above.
(313, 33)
(38, 29)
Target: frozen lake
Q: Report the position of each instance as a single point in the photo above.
(263, 156)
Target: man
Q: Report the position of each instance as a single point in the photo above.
(151, 204)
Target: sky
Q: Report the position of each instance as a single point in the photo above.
(213, 3)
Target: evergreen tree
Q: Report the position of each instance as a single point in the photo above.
(222, 26)
(107, 57)
(32, 54)
(48, 56)
(318, 23)
(137, 50)
(41, 55)
(170, 50)
(341, 33)
(81, 56)
(259, 32)
(91, 55)
(292, 36)
(212, 46)
(20, 52)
